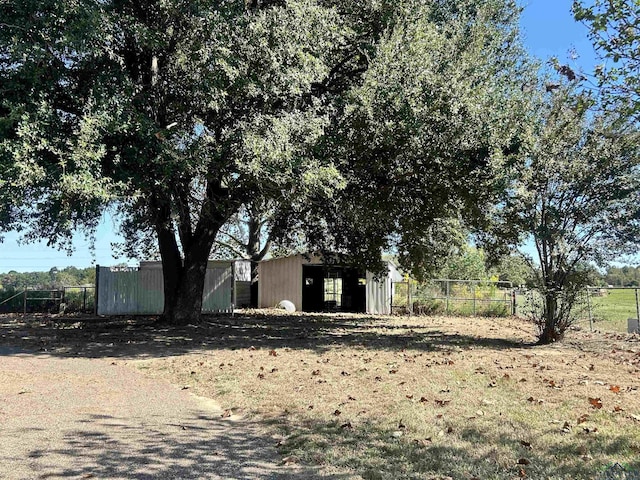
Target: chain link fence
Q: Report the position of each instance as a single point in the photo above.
(607, 309)
(454, 297)
(66, 299)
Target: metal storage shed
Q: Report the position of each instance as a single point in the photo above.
(139, 291)
(314, 286)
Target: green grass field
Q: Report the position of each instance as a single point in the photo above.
(611, 311)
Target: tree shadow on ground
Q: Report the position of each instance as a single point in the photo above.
(136, 337)
(199, 447)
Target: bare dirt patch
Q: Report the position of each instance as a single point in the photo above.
(394, 397)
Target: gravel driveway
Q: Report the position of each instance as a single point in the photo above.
(97, 418)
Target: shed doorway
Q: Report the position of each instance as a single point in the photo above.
(333, 289)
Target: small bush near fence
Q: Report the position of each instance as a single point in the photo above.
(454, 297)
(604, 309)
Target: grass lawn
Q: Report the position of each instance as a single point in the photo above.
(611, 311)
(364, 397)
(421, 398)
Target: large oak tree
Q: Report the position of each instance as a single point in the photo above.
(381, 119)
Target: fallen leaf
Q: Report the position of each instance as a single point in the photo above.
(186, 387)
(615, 388)
(226, 414)
(442, 403)
(566, 428)
(410, 397)
(423, 399)
(618, 408)
(261, 376)
(583, 418)
(273, 353)
(353, 399)
(523, 461)
(310, 407)
(595, 403)
(346, 426)
(315, 373)
(492, 385)
(288, 461)
(589, 429)
(423, 441)
(345, 374)
(337, 413)
(525, 444)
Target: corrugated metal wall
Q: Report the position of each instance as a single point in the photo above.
(218, 290)
(380, 292)
(280, 279)
(130, 292)
(140, 292)
(378, 295)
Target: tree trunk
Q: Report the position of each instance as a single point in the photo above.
(184, 279)
(253, 288)
(550, 331)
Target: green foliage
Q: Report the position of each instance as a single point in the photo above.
(376, 125)
(174, 113)
(626, 276)
(576, 193)
(468, 264)
(53, 279)
(614, 28)
(423, 141)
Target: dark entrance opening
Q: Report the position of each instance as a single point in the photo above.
(333, 289)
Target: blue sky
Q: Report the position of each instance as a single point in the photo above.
(548, 30)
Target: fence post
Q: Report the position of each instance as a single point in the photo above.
(95, 291)
(473, 294)
(24, 303)
(589, 308)
(409, 306)
(637, 306)
(447, 296)
(514, 304)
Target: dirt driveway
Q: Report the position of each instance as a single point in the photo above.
(97, 418)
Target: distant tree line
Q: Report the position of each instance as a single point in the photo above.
(51, 280)
(624, 276)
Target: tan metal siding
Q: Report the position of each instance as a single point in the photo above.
(280, 279)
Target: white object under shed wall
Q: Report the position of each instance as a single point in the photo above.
(280, 279)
